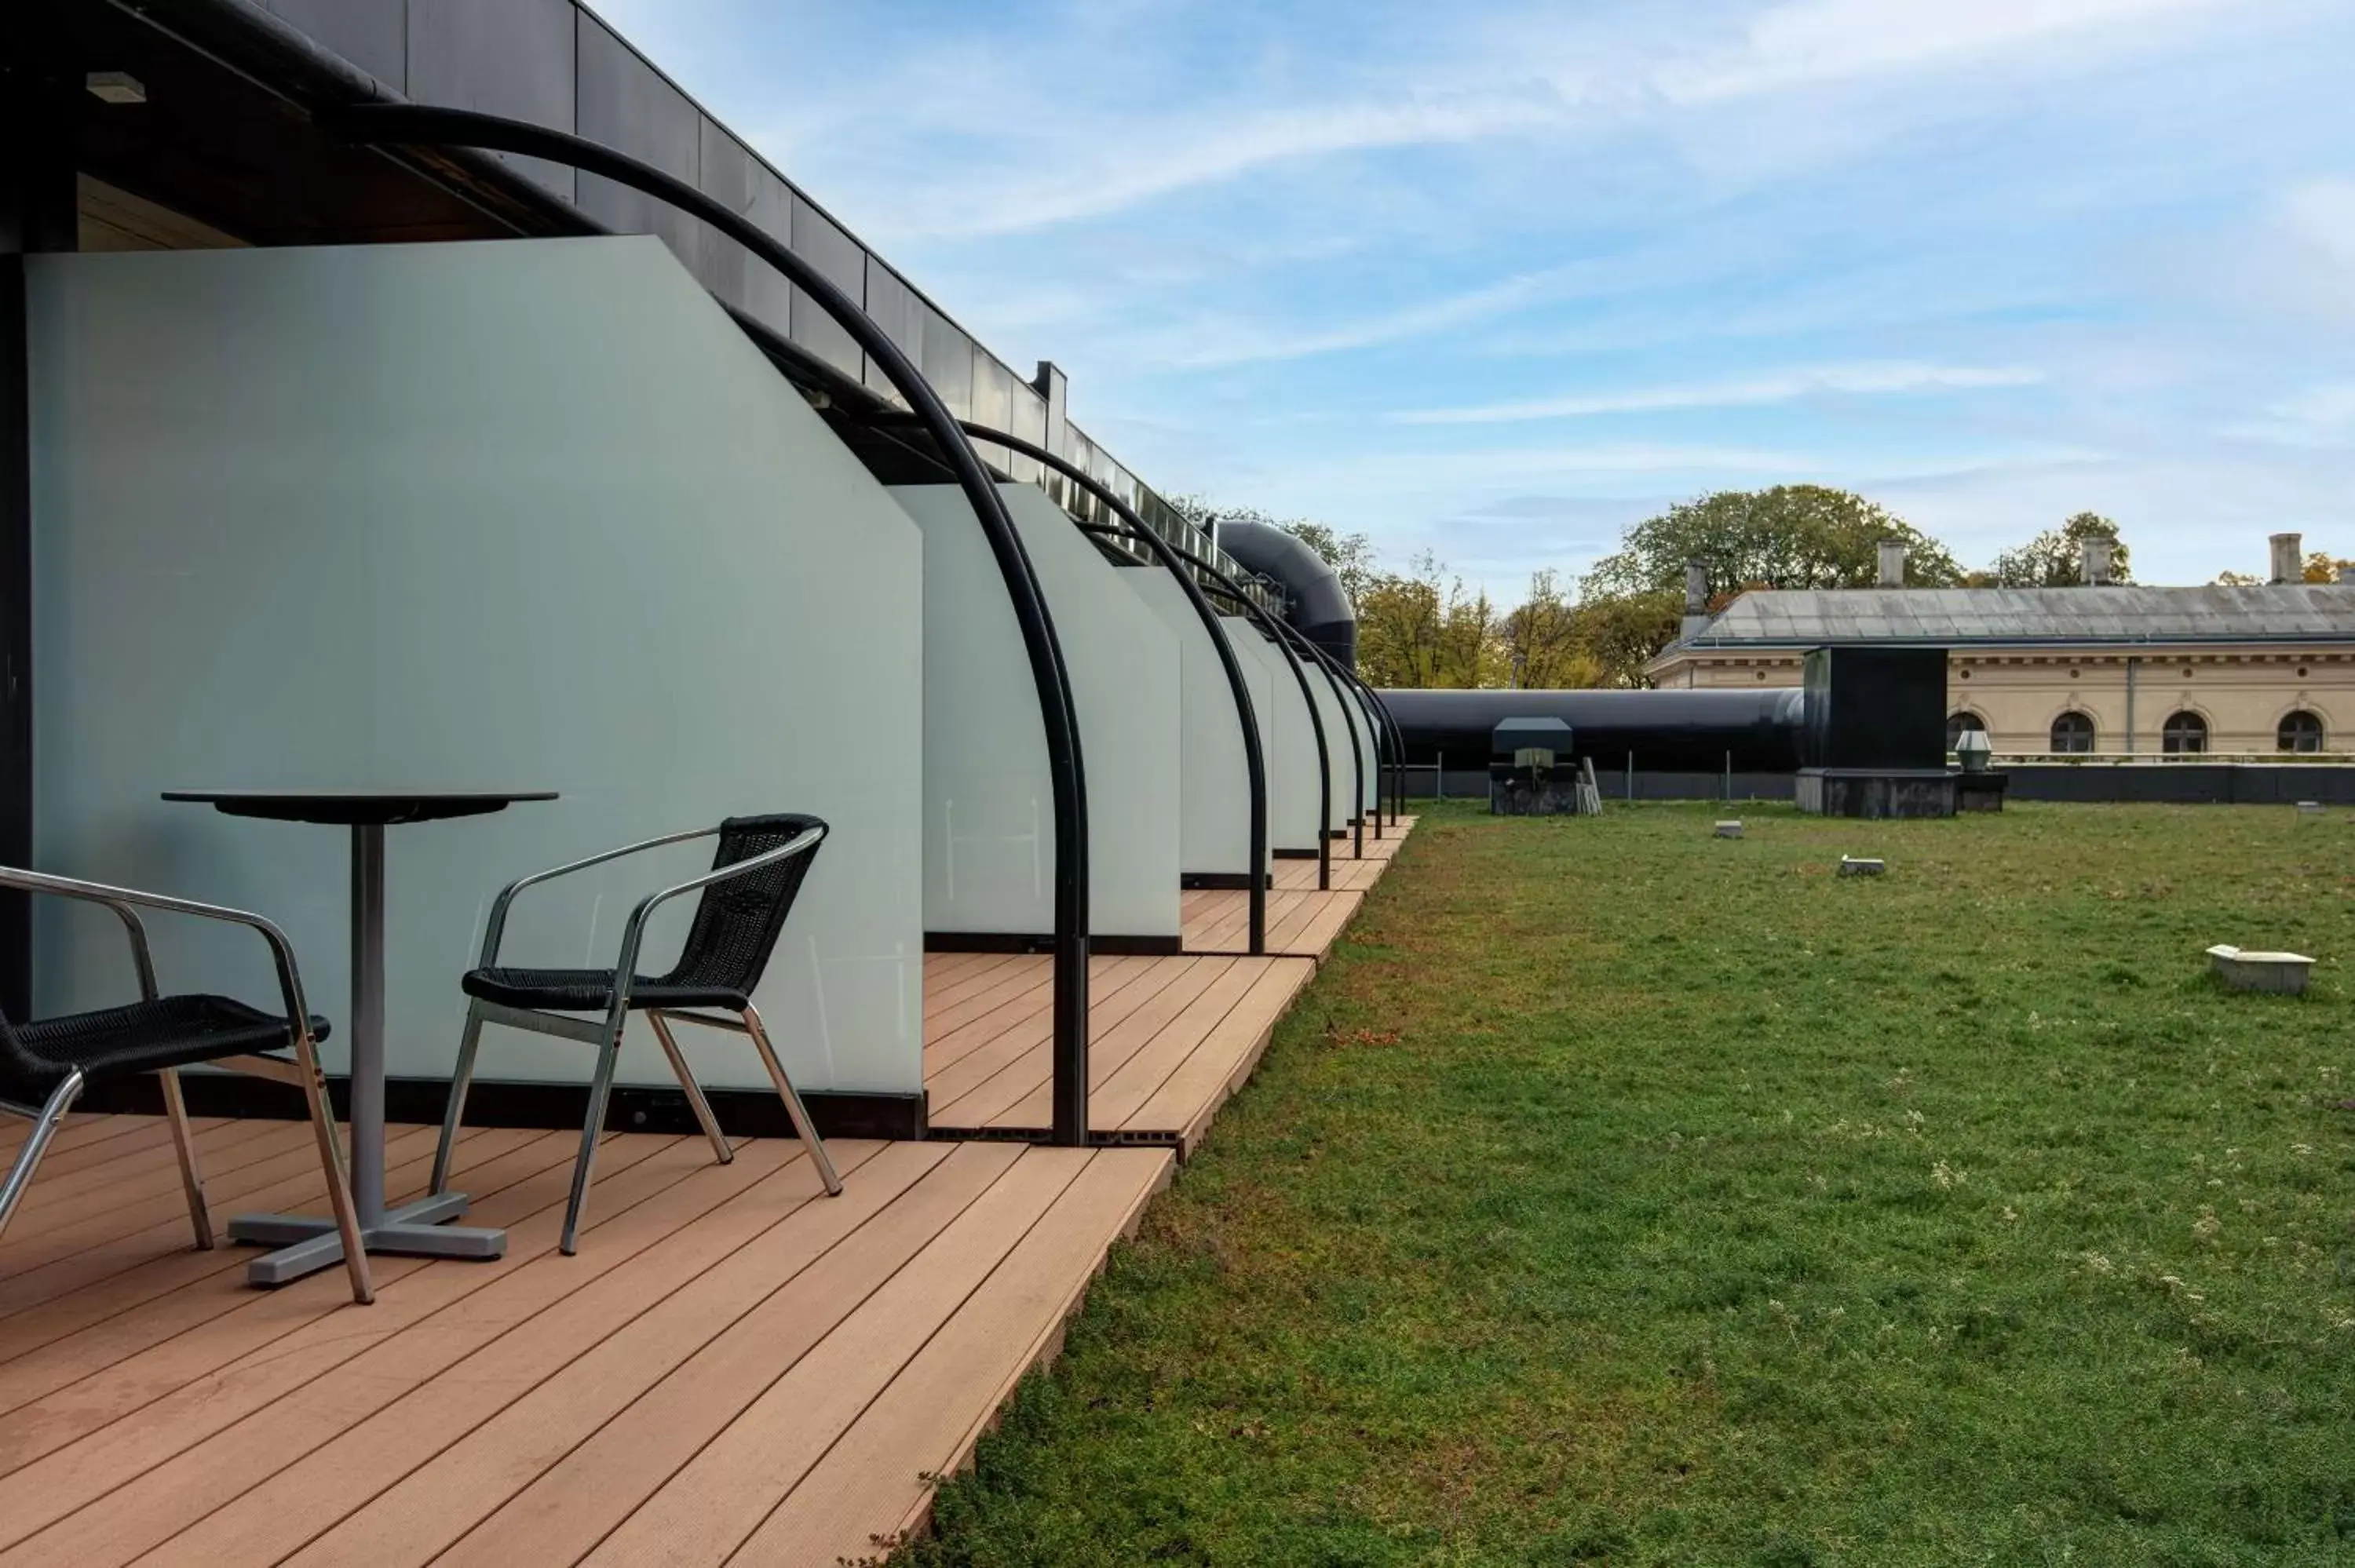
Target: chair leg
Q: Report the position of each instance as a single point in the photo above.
(331, 1158)
(36, 1143)
(695, 1100)
(461, 1079)
(601, 1088)
(175, 1110)
(803, 1127)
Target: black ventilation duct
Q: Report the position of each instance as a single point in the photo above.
(1701, 731)
(1316, 606)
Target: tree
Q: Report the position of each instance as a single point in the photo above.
(1422, 628)
(2321, 567)
(1622, 633)
(2056, 558)
(1542, 642)
(1791, 536)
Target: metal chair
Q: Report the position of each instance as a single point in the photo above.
(45, 1065)
(755, 873)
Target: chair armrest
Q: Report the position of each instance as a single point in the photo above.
(126, 903)
(495, 929)
(634, 930)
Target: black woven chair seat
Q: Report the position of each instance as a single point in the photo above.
(170, 1032)
(590, 991)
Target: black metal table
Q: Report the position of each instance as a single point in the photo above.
(308, 1242)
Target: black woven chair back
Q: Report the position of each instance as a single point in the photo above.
(737, 921)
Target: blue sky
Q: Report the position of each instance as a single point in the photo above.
(1494, 279)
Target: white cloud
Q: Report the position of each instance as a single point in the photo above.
(2322, 214)
(1810, 42)
(1867, 379)
(1205, 345)
(2322, 415)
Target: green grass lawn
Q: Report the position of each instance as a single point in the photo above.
(1621, 1195)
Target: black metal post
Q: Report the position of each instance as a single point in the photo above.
(417, 126)
(1246, 714)
(1326, 665)
(37, 214)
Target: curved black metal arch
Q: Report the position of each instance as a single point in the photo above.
(1275, 630)
(1388, 741)
(1350, 716)
(1246, 714)
(419, 126)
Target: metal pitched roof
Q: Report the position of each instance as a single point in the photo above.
(2283, 613)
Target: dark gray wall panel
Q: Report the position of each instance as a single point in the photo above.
(367, 33)
(1029, 421)
(513, 58)
(893, 306)
(733, 177)
(820, 242)
(947, 360)
(623, 103)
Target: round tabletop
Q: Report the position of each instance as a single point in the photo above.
(359, 807)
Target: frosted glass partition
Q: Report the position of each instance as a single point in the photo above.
(1213, 790)
(1339, 733)
(1290, 742)
(527, 514)
(989, 820)
(1370, 744)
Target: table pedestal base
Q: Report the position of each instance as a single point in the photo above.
(306, 1244)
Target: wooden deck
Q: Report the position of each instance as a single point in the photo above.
(1303, 921)
(734, 1369)
(1170, 1039)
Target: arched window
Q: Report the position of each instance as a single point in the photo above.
(2185, 734)
(1958, 722)
(2072, 733)
(2300, 731)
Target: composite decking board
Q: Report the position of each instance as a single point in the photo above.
(957, 988)
(46, 1266)
(163, 1259)
(604, 1339)
(962, 1062)
(147, 1136)
(1301, 922)
(1116, 1030)
(128, 1483)
(1028, 1008)
(1026, 1015)
(706, 1510)
(1192, 1095)
(869, 1489)
(145, 1174)
(1127, 1081)
(84, 1334)
(978, 1079)
(561, 1469)
(1024, 1096)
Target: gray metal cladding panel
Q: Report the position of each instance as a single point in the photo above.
(513, 58)
(625, 103)
(946, 360)
(729, 174)
(892, 306)
(842, 261)
(1029, 420)
(367, 33)
(993, 391)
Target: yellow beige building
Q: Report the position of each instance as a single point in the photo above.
(2107, 668)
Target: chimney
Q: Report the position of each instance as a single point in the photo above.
(2290, 561)
(1696, 588)
(2097, 561)
(1892, 563)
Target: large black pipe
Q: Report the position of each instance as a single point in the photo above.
(408, 125)
(1676, 731)
(1320, 607)
(1246, 714)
